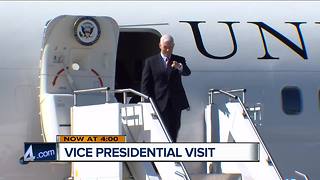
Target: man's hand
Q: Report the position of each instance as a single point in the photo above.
(176, 65)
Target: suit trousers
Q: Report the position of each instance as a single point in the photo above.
(171, 118)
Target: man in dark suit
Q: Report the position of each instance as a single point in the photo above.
(161, 80)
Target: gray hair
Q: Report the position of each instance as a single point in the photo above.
(166, 37)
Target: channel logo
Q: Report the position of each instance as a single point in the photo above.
(40, 152)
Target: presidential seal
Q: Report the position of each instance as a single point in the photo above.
(87, 30)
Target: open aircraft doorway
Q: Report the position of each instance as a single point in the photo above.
(135, 45)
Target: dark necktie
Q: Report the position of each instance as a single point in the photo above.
(169, 62)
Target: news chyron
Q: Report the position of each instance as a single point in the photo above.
(114, 148)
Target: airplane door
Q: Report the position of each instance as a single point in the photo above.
(78, 52)
(135, 45)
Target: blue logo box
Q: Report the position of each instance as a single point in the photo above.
(40, 152)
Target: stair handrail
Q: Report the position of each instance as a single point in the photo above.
(302, 174)
(217, 91)
(143, 98)
(228, 93)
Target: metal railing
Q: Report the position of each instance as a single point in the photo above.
(228, 93)
(108, 92)
(302, 175)
(125, 93)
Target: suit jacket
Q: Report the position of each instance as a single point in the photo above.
(162, 84)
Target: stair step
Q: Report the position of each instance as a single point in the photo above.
(216, 177)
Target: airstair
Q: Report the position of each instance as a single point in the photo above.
(139, 122)
(230, 122)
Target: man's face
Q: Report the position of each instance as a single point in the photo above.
(166, 48)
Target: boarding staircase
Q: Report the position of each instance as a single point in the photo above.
(139, 122)
(230, 122)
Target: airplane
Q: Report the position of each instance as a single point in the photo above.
(267, 48)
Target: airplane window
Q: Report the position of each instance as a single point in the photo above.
(291, 100)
